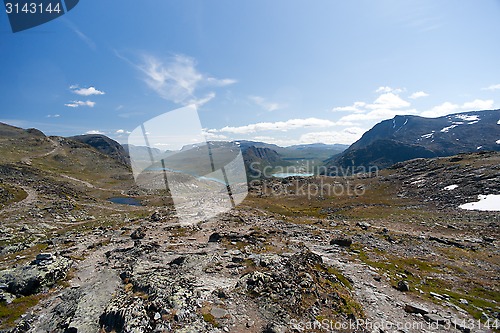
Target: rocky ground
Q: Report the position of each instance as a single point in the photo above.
(385, 254)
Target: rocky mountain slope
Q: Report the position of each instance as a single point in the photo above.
(104, 145)
(407, 137)
(386, 252)
(257, 159)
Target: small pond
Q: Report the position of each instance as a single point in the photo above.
(125, 201)
(291, 174)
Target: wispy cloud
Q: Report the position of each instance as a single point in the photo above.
(87, 40)
(492, 87)
(53, 116)
(357, 107)
(76, 104)
(266, 105)
(418, 94)
(387, 89)
(344, 136)
(280, 126)
(201, 101)
(177, 79)
(422, 21)
(85, 91)
(220, 82)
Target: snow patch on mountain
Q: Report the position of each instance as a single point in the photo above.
(489, 202)
(447, 129)
(466, 117)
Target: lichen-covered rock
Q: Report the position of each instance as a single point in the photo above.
(33, 278)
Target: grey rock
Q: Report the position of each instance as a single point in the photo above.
(6, 297)
(345, 242)
(215, 237)
(218, 312)
(363, 225)
(434, 318)
(139, 233)
(460, 324)
(403, 286)
(414, 308)
(30, 279)
(436, 295)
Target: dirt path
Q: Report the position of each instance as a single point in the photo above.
(31, 197)
(89, 185)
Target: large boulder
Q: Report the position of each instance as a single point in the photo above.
(30, 279)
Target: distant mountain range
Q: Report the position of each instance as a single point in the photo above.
(406, 137)
(390, 141)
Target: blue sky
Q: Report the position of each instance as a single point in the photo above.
(284, 72)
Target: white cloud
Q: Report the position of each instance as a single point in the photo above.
(386, 89)
(281, 126)
(418, 94)
(492, 87)
(86, 91)
(344, 136)
(95, 132)
(178, 79)
(220, 82)
(388, 101)
(478, 104)
(263, 138)
(214, 136)
(121, 132)
(53, 115)
(76, 104)
(266, 105)
(387, 105)
(448, 108)
(201, 101)
(355, 108)
(376, 115)
(441, 110)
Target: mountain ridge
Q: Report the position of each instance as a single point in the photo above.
(406, 137)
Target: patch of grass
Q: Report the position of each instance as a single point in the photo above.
(345, 304)
(427, 277)
(10, 194)
(208, 317)
(29, 254)
(9, 313)
(340, 277)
